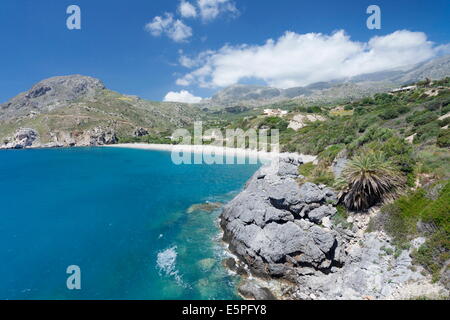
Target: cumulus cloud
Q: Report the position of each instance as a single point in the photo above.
(301, 59)
(175, 29)
(189, 62)
(211, 9)
(187, 10)
(182, 96)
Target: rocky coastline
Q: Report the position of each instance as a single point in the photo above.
(291, 243)
(28, 138)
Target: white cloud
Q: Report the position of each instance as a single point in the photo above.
(211, 9)
(187, 10)
(182, 96)
(301, 59)
(175, 29)
(443, 49)
(188, 62)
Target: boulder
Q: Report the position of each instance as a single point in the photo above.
(274, 225)
(251, 290)
(318, 214)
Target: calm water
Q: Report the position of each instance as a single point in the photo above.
(121, 216)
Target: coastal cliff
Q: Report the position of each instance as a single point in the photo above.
(292, 233)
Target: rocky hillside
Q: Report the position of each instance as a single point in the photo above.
(51, 94)
(280, 229)
(79, 111)
(322, 229)
(333, 91)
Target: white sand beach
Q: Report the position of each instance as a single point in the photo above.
(216, 150)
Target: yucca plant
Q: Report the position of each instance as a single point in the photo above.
(370, 179)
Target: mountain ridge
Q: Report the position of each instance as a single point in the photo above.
(79, 110)
(349, 88)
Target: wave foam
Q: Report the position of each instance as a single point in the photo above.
(166, 263)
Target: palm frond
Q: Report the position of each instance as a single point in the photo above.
(371, 179)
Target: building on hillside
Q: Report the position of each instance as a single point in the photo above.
(275, 112)
(404, 89)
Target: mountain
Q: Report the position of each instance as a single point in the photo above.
(332, 91)
(78, 110)
(51, 94)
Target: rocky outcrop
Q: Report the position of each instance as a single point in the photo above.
(339, 163)
(275, 225)
(301, 120)
(251, 290)
(140, 132)
(99, 137)
(23, 138)
(29, 138)
(373, 270)
(282, 230)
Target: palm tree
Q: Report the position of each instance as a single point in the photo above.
(370, 179)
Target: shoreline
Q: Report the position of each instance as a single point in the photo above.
(263, 156)
(270, 288)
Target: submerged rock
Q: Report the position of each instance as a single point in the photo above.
(207, 207)
(207, 264)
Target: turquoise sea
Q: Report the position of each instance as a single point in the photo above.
(121, 215)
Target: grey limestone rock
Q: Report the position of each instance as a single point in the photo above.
(273, 225)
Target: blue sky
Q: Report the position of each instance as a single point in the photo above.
(115, 46)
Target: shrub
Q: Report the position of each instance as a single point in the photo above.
(348, 107)
(306, 169)
(389, 114)
(323, 176)
(444, 122)
(318, 174)
(403, 109)
(434, 161)
(397, 150)
(401, 218)
(367, 101)
(422, 118)
(371, 179)
(330, 153)
(372, 134)
(274, 123)
(443, 139)
(313, 109)
(383, 98)
(433, 254)
(427, 132)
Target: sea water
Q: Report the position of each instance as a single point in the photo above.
(122, 216)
